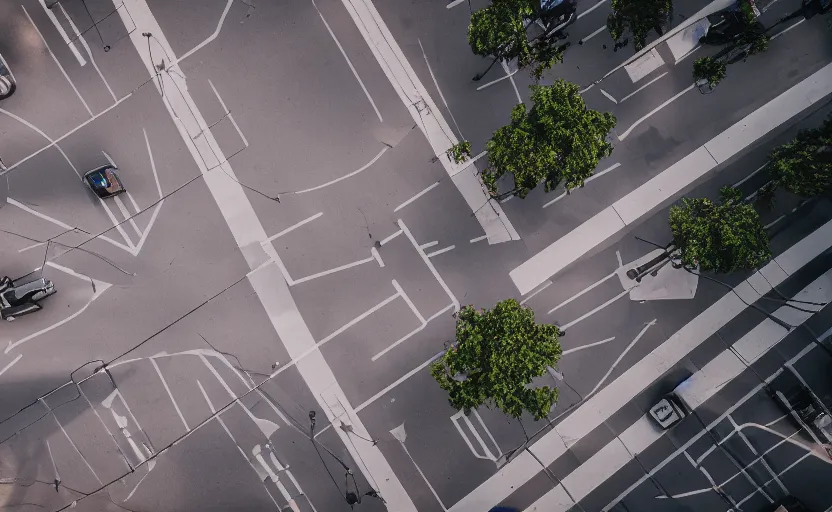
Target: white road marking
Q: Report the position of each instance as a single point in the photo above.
(377, 256)
(401, 442)
(582, 292)
(54, 465)
(758, 458)
(330, 271)
(449, 6)
(391, 237)
(398, 381)
(170, 395)
(590, 313)
(487, 454)
(428, 245)
(360, 317)
(412, 333)
(489, 84)
(429, 264)
(621, 356)
(86, 46)
(588, 180)
(31, 247)
(625, 98)
(609, 96)
(441, 251)
(685, 56)
(618, 258)
(417, 196)
(438, 90)
(775, 36)
(63, 34)
(595, 33)
(349, 63)
(545, 285)
(132, 201)
(328, 183)
(478, 239)
(409, 302)
(203, 43)
(12, 363)
(293, 227)
(127, 216)
(775, 221)
(582, 347)
(267, 280)
(595, 6)
(74, 446)
(39, 215)
(635, 379)
(737, 184)
(511, 78)
(509, 198)
(58, 62)
(678, 95)
(228, 113)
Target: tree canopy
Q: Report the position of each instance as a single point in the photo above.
(497, 354)
(723, 236)
(499, 31)
(804, 165)
(638, 17)
(557, 140)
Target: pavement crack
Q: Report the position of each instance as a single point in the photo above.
(249, 12)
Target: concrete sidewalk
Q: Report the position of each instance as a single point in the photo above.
(601, 406)
(662, 189)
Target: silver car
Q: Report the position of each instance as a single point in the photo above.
(21, 299)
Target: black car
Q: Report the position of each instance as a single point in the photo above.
(104, 182)
(7, 83)
(21, 299)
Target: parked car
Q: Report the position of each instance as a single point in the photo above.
(788, 504)
(7, 83)
(729, 24)
(104, 181)
(21, 299)
(804, 406)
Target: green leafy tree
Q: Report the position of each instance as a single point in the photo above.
(459, 152)
(723, 236)
(804, 165)
(497, 354)
(709, 70)
(557, 140)
(499, 31)
(637, 17)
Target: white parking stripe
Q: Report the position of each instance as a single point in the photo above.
(62, 32)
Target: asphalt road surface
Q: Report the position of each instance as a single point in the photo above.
(294, 240)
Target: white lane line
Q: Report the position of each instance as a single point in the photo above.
(328, 183)
(207, 40)
(478, 239)
(71, 442)
(170, 395)
(737, 184)
(33, 246)
(627, 132)
(377, 256)
(775, 36)
(618, 258)
(332, 270)
(132, 201)
(228, 113)
(597, 5)
(436, 84)
(545, 285)
(269, 284)
(597, 309)
(127, 215)
(757, 456)
(63, 34)
(489, 84)
(582, 347)
(412, 333)
(359, 318)
(509, 198)
(391, 237)
(595, 33)
(398, 381)
(349, 63)
(86, 46)
(293, 227)
(621, 356)
(152, 166)
(417, 196)
(409, 302)
(429, 264)
(609, 96)
(685, 56)
(12, 363)
(454, 4)
(428, 245)
(511, 78)
(441, 251)
(582, 292)
(39, 215)
(625, 98)
(54, 465)
(58, 62)
(588, 180)
(775, 221)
